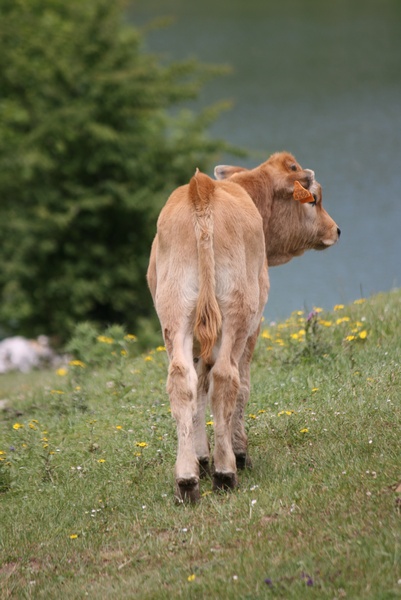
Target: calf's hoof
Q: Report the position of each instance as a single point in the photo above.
(187, 490)
(224, 481)
(243, 461)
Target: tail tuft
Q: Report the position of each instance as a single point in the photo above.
(207, 325)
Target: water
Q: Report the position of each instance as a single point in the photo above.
(322, 80)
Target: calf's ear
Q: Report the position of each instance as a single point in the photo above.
(225, 171)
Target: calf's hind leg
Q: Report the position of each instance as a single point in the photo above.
(225, 381)
(225, 384)
(182, 390)
(202, 446)
(239, 437)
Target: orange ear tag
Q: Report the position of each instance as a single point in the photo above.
(301, 194)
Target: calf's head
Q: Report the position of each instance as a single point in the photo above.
(291, 226)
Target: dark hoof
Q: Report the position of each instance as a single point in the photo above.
(224, 481)
(204, 468)
(187, 490)
(243, 461)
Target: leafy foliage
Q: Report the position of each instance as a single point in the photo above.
(89, 150)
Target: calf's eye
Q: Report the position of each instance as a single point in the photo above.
(314, 201)
(293, 167)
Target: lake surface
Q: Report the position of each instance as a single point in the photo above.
(322, 80)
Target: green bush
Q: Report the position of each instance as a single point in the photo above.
(88, 346)
(90, 148)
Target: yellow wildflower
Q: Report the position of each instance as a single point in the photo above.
(32, 426)
(342, 320)
(325, 323)
(210, 423)
(56, 392)
(266, 335)
(315, 389)
(360, 301)
(252, 416)
(148, 358)
(73, 536)
(130, 337)
(124, 353)
(103, 339)
(363, 335)
(77, 363)
(62, 372)
(261, 411)
(141, 444)
(349, 338)
(317, 309)
(118, 426)
(101, 460)
(161, 349)
(304, 430)
(191, 577)
(18, 426)
(339, 307)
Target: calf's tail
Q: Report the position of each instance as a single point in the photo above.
(208, 317)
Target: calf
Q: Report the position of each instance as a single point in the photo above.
(209, 282)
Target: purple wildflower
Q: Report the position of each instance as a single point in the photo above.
(309, 580)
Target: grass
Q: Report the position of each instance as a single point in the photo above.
(86, 476)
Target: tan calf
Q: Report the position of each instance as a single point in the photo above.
(209, 282)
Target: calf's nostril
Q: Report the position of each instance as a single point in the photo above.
(338, 231)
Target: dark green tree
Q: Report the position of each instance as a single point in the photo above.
(91, 144)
